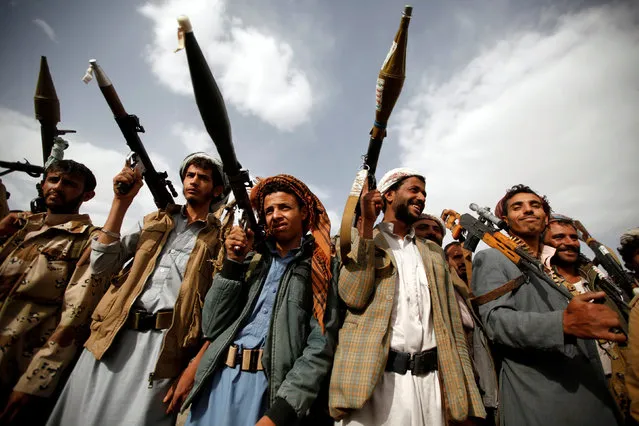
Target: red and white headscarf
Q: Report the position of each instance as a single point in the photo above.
(395, 175)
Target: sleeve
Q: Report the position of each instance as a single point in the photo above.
(83, 293)
(304, 381)
(108, 258)
(221, 303)
(357, 277)
(632, 370)
(504, 319)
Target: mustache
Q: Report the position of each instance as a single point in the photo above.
(564, 248)
(417, 203)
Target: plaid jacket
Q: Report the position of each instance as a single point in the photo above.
(367, 287)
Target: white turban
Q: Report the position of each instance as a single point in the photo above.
(395, 175)
(629, 236)
(425, 215)
(218, 173)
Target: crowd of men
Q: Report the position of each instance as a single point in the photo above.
(191, 313)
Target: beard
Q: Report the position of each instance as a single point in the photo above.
(404, 214)
(67, 207)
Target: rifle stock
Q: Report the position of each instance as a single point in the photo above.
(161, 188)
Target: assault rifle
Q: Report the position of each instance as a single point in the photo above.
(492, 236)
(211, 105)
(32, 170)
(606, 259)
(161, 188)
(488, 230)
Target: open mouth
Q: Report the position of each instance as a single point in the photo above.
(417, 209)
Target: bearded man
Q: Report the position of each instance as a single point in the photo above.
(46, 293)
(402, 324)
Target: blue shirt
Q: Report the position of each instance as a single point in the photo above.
(238, 398)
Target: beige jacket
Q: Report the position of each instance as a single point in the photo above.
(182, 340)
(46, 300)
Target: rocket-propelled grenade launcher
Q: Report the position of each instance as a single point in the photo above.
(161, 188)
(47, 110)
(212, 108)
(389, 85)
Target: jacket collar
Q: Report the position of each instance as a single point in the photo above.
(172, 209)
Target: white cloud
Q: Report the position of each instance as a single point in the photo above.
(42, 24)
(556, 111)
(193, 139)
(104, 163)
(256, 71)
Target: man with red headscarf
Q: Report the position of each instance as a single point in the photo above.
(270, 319)
(550, 371)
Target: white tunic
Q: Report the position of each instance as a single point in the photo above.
(405, 399)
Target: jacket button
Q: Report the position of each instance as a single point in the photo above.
(389, 297)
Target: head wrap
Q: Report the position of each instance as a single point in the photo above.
(436, 219)
(629, 237)
(396, 175)
(218, 174)
(318, 224)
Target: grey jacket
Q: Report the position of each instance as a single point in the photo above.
(546, 378)
(297, 356)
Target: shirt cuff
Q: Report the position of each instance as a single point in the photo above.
(281, 412)
(233, 270)
(110, 248)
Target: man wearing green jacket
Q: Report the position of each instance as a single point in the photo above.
(270, 319)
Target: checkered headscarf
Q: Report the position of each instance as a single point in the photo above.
(318, 224)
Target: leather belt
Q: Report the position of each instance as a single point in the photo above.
(419, 364)
(248, 359)
(143, 321)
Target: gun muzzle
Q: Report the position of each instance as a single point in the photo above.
(488, 215)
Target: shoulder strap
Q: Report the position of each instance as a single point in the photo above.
(511, 285)
(253, 265)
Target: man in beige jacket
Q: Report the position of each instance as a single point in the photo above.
(148, 325)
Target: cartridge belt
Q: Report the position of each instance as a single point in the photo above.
(248, 359)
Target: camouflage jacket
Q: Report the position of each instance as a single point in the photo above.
(46, 300)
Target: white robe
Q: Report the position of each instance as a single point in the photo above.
(405, 399)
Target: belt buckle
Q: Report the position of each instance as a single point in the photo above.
(411, 363)
(141, 321)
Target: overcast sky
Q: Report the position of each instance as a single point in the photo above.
(497, 93)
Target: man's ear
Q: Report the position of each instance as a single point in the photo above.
(304, 212)
(218, 190)
(88, 195)
(389, 196)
